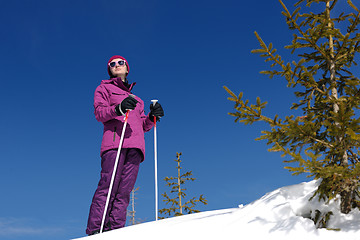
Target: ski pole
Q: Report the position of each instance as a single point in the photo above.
(114, 170)
(155, 157)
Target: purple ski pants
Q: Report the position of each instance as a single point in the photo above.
(124, 181)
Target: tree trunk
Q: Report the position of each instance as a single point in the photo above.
(179, 186)
(334, 92)
(347, 195)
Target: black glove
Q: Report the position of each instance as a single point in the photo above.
(156, 110)
(128, 103)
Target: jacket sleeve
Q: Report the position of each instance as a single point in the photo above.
(102, 109)
(147, 122)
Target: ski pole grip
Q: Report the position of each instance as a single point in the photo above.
(154, 101)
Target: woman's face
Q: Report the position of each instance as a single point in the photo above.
(118, 70)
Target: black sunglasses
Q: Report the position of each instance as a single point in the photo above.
(120, 62)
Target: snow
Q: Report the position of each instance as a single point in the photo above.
(281, 214)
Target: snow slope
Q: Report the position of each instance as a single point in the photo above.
(277, 215)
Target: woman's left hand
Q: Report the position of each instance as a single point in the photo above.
(157, 111)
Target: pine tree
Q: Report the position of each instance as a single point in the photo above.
(178, 204)
(324, 140)
(131, 213)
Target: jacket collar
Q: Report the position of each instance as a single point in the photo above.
(119, 83)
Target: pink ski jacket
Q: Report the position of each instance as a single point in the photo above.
(108, 95)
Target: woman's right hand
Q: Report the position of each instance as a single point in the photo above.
(128, 103)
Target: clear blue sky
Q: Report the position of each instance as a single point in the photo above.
(54, 55)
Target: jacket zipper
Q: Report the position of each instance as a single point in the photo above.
(114, 134)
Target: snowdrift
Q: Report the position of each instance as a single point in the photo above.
(281, 214)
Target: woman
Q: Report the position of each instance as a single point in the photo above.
(112, 100)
